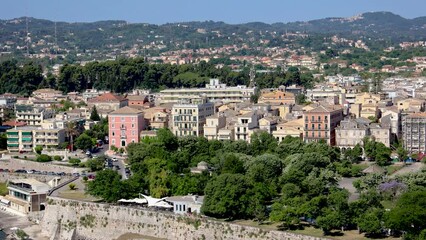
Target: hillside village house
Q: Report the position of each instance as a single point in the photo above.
(26, 195)
(125, 125)
(107, 102)
(47, 94)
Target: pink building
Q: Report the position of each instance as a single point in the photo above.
(125, 125)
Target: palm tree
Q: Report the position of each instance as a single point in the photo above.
(71, 131)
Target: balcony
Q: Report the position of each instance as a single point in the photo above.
(123, 128)
(123, 136)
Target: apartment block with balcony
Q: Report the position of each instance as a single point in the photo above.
(125, 125)
(321, 122)
(414, 132)
(189, 116)
(246, 125)
(214, 91)
(31, 115)
(25, 139)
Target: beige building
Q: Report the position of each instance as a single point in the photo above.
(351, 132)
(212, 126)
(411, 105)
(156, 118)
(381, 133)
(25, 139)
(48, 94)
(107, 102)
(189, 116)
(277, 97)
(292, 128)
(268, 124)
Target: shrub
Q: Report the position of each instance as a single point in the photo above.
(72, 186)
(57, 158)
(38, 149)
(43, 158)
(74, 161)
(85, 178)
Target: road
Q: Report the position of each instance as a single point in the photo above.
(122, 170)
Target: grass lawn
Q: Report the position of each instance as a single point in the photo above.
(393, 168)
(76, 195)
(3, 189)
(362, 166)
(310, 231)
(388, 204)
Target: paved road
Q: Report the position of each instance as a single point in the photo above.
(347, 183)
(414, 167)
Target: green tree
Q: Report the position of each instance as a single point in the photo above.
(106, 185)
(231, 203)
(371, 221)
(409, 213)
(96, 164)
(3, 141)
(72, 186)
(94, 116)
(84, 142)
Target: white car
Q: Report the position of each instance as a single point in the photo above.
(114, 159)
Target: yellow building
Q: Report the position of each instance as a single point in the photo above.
(292, 128)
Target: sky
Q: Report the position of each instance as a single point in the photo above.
(229, 11)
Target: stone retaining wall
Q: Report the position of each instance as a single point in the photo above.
(84, 220)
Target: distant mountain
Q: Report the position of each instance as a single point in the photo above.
(110, 34)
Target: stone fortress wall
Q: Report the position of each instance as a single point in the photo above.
(69, 219)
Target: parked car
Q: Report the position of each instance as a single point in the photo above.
(114, 159)
(20, 171)
(30, 171)
(76, 174)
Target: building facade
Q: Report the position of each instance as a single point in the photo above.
(27, 195)
(107, 102)
(277, 97)
(189, 116)
(321, 122)
(125, 125)
(212, 126)
(32, 116)
(414, 132)
(351, 132)
(214, 91)
(246, 125)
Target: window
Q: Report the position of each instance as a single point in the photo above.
(123, 143)
(306, 126)
(319, 118)
(122, 119)
(113, 133)
(133, 140)
(319, 126)
(326, 118)
(313, 126)
(326, 126)
(313, 118)
(313, 134)
(113, 125)
(133, 132)
(112, 119)
(319, 134)
(113, 141)
(133, 125)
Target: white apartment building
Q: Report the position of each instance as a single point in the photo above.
(31, 115)
(214, 91)
(246, 124)
(189, 116)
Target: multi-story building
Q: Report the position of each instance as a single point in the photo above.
(215, 91)
(293, 128)
(27, 195)
(414, 132)
(156, 118)
(246, 125)
(189, 116)
(381, 133)
(26, 138)
(268, 124)
(212, 126)
(321, 122)
(277, 97)
(31, 115)
(48, 94)
(137, 100)
(125, 125)
(351, 132)
(411, 105)
(107, 102)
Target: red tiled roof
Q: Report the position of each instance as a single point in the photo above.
(107, 97)
(13, 123)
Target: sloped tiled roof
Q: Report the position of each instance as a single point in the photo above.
(107, 97)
